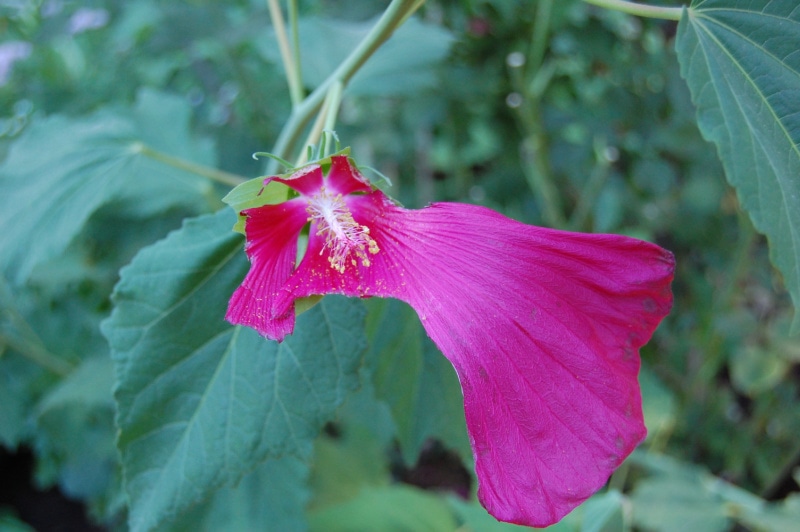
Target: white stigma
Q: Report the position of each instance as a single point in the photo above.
(344, 237)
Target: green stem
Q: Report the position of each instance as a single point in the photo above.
(333, 103)
(534, 152)
(298, 71)
(540, 33)
(313, 134)
(591, 190)
(291, 67)
(537, 172)
(38, 355)
(631, 8)
(205, 171)
(25, 340)
(391, 19)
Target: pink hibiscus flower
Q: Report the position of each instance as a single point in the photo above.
(542, 326)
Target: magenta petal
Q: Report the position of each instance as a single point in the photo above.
(543, 328)
(344, 178)
(272, 232)
(307, 180)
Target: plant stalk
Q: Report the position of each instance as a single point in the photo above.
(38, 355)
(541, 27)
(291, 67)
(204, 171)
(298, 66)
(640, 10)
(392, 18)
(534, 151)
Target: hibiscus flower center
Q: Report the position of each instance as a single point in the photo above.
(344, 237)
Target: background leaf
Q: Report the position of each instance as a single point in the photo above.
(415, 380)
(385, 508)
(200, 402)
(273, 497)
(63, 169)
(741, 62)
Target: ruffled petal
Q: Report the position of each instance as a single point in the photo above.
(272, 232)
(307, 180)
(344, 178)
(315, 276)
(543, 328)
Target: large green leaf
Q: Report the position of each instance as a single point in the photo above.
(741, 61)
(200, 402)
(63, 169)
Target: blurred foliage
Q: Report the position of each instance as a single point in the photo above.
(576, 118)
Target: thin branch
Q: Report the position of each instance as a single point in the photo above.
(640, 10)
(204, 171)
(313, 134)
(294, 27)
(541, 27)
(290, 67)
(38, 355)
(334, 100)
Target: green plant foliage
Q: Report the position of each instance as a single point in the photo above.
(386, 508)
(226, 398)
(403, 65)
(415, 380)
(63, 169)
(271, 497)
(680, 496)
(565, 114)
(89, 385)
(740, 61)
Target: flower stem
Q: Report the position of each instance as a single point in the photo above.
(313, 134)
(204, 171)
(392, 18)
(291, 63)
(334, 100)
(640, 10)
(324, 124)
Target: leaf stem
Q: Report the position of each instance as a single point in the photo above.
(392, 18)
(26, 342)
(291, 67)
(640, 10)
(205, 171)
(38, 355)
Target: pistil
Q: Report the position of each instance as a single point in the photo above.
(345, 239)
